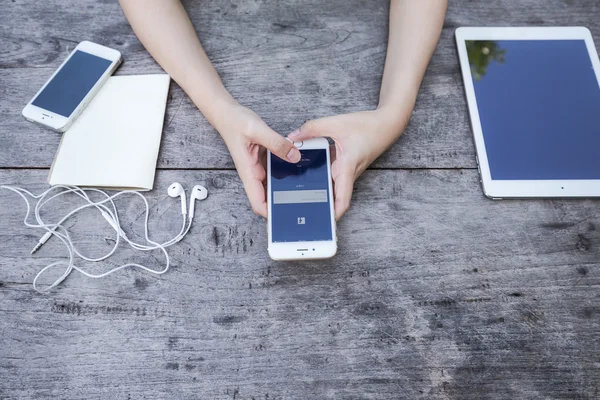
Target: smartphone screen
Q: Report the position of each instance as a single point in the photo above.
(300, 209)
(72, 83)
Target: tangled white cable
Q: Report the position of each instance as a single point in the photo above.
(111, 216)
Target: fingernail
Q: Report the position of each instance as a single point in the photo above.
(293, 155)
(294, 134)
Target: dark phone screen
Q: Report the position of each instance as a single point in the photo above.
(72, 83)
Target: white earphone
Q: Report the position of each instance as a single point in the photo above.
(175, 189)
(198, 193)
(111, 216)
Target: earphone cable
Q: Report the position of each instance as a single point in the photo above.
(112, 217)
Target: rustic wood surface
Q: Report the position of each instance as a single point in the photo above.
(437, 292)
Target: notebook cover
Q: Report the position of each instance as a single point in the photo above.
(114, 143)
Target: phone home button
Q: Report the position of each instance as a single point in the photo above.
(298, 144)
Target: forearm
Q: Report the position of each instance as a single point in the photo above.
(166, 31)
(415, 27)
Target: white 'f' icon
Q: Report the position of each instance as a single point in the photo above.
(301, 221)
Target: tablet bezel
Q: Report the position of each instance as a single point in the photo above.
(498, 189)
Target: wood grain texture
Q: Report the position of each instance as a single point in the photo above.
(436, 293)
(288, 60)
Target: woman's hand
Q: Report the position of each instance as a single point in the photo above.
(167, 32)
(248, 137)
(359, 139)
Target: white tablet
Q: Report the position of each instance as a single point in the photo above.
(534, 103)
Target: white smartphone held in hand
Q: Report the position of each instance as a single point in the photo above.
(301, 223)
(70, 89)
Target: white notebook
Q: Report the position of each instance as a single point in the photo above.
(115, 141)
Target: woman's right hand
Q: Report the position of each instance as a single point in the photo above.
(248, 137)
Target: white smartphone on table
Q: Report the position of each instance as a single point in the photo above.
(70, 89)
(301, 223)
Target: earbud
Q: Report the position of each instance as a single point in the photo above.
(110, 214)
(198, 193)
(177, 190)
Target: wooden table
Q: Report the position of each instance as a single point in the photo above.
(436, 293)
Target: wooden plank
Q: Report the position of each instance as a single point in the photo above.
(253, 32)
(289, 61)
(190, 142)
(436, 293)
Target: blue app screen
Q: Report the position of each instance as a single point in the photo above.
(72, 83)
(300, 198)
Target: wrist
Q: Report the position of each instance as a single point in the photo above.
(221, 113)
(217, 107)
(389, 123)
(393, 119)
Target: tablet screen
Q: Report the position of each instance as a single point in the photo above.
(539, 106)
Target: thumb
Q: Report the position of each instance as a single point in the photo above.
(277, 144)
(310, 129)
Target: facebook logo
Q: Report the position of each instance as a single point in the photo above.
(301, 221)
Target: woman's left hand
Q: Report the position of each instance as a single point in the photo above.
(359, 139)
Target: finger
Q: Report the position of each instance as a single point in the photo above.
(312, 129)
(262, 157)
(278, 145)
(256, 194)
(333, 152)
(344, 184)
